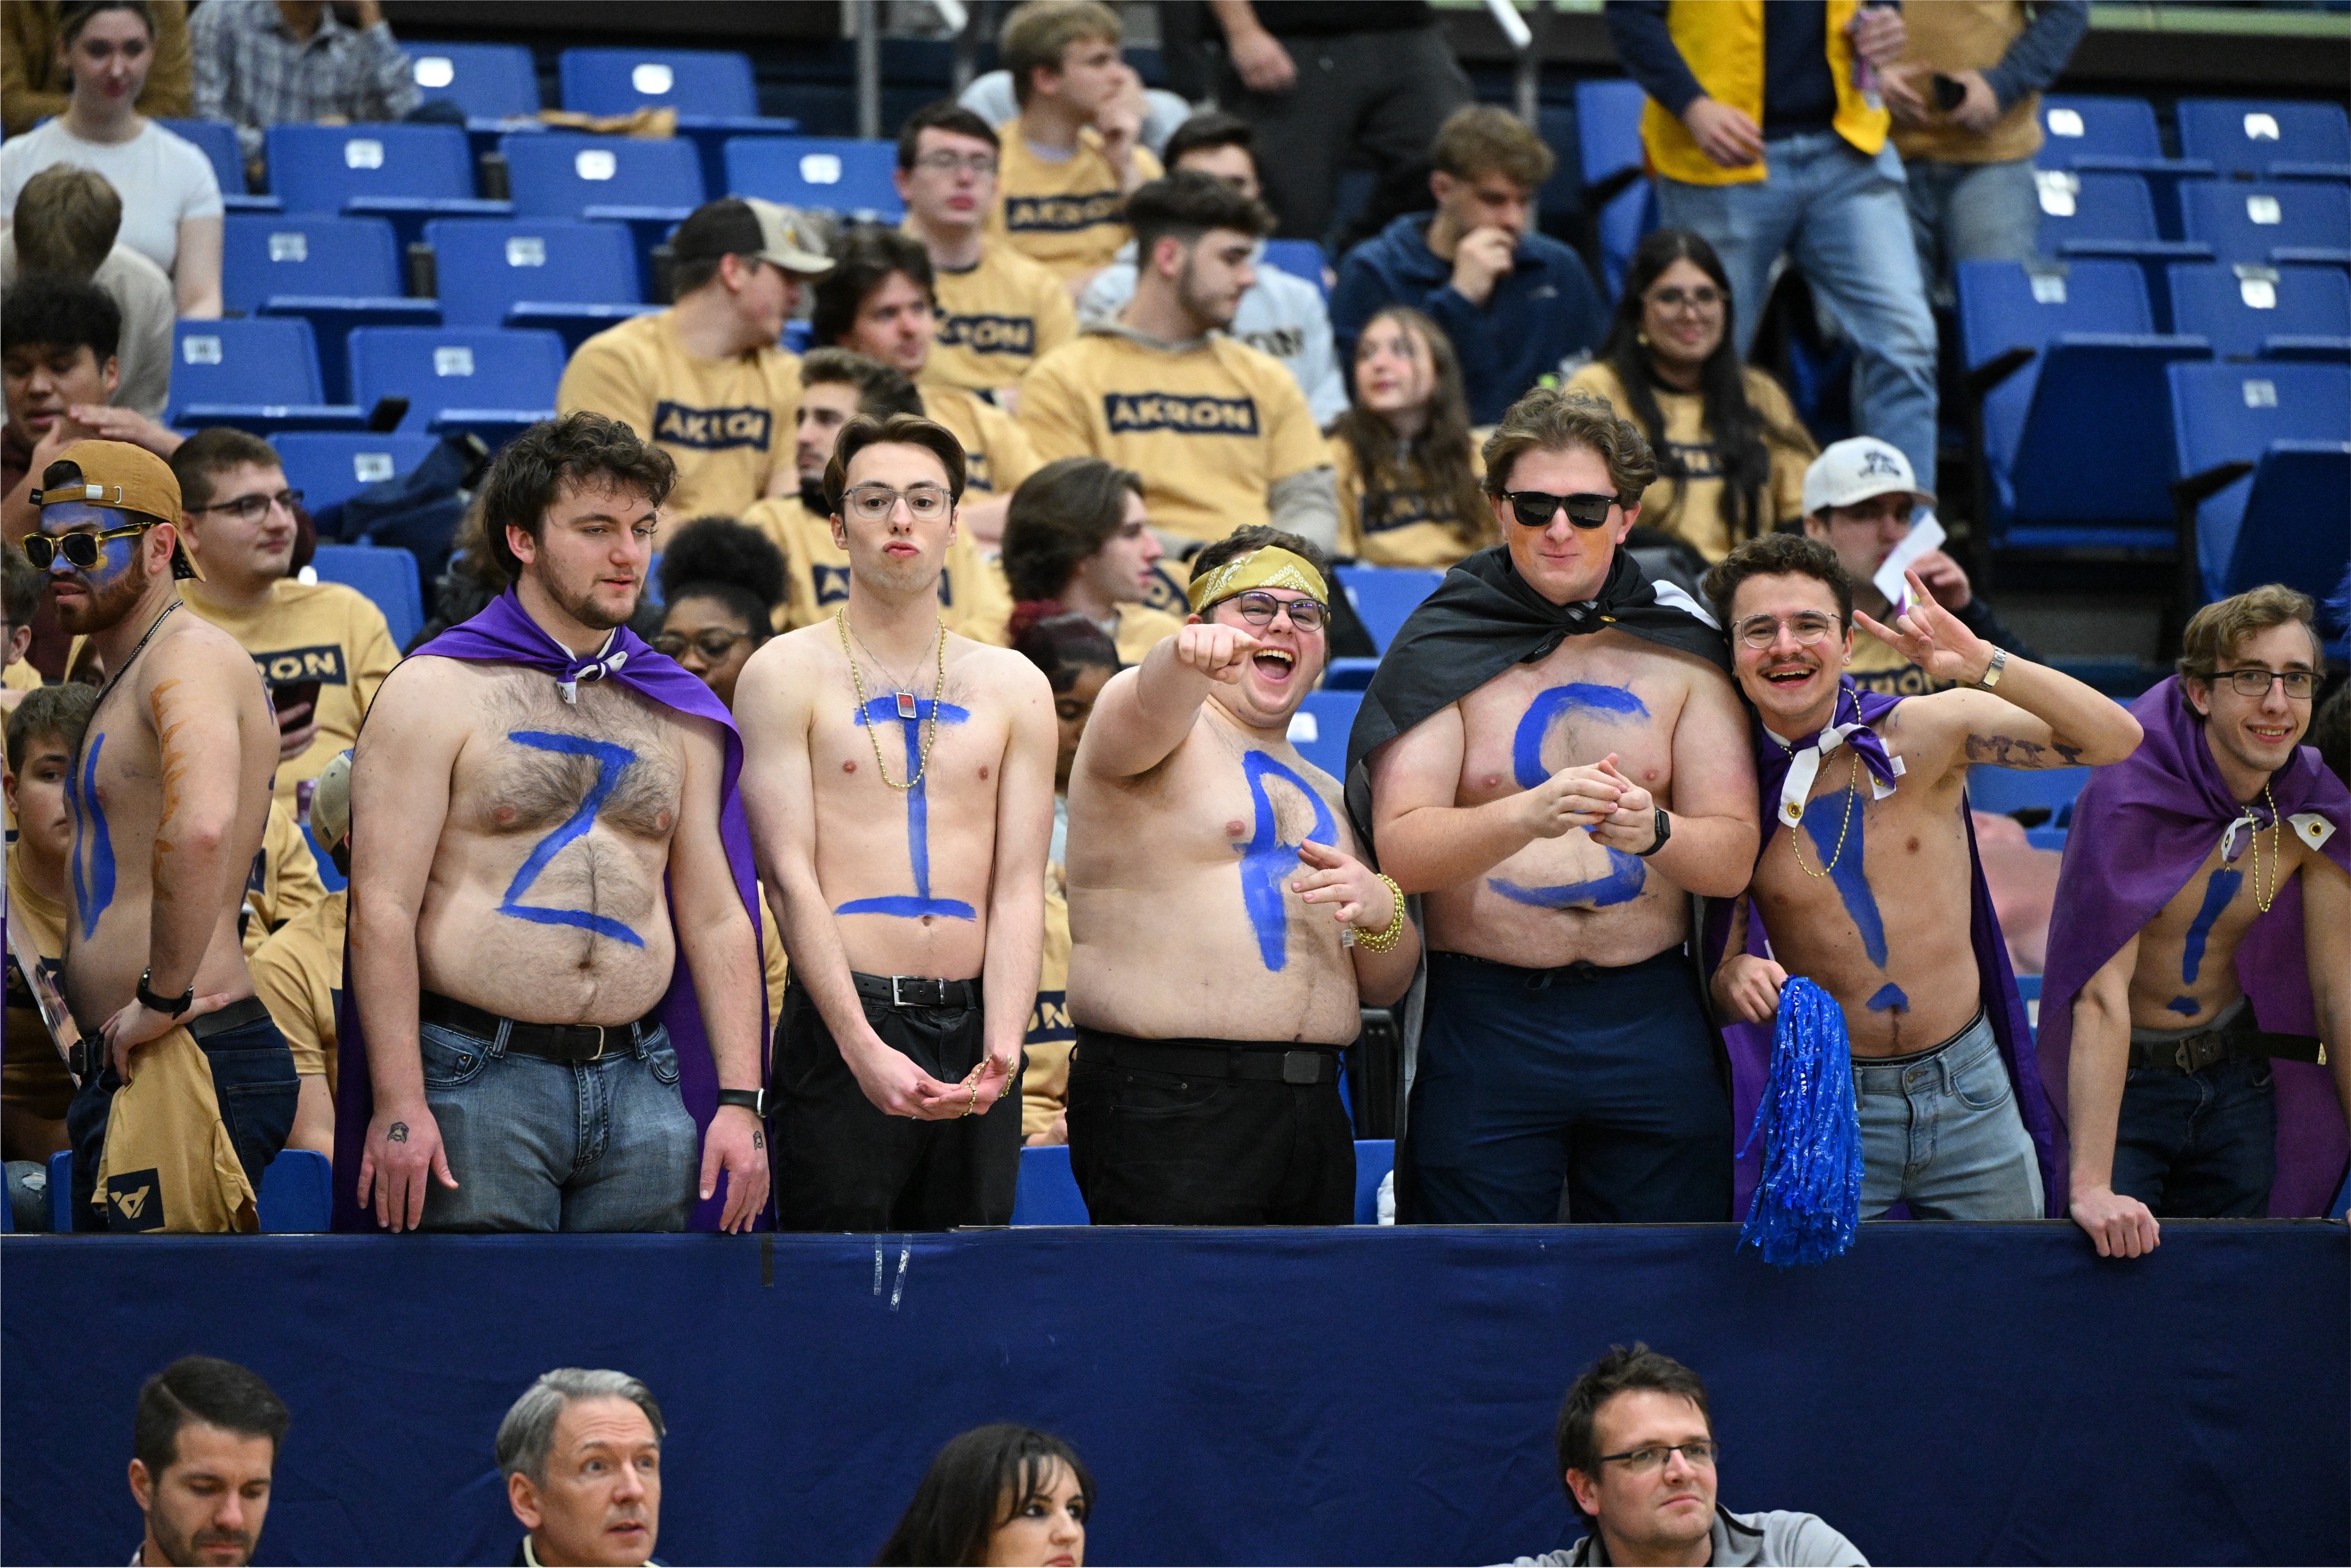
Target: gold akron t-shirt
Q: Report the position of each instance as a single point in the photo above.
(1045, 1087)
(298, 975)
(973, 599)
(320, 631)
(1690, 510)
(727, 423)
(1880, 668)
(1211, 425)
(284, 883)
(996, 320)
(20, 677)
(1071, 215)
(997, 453)
(1403, 524)
(33, 1076)
(1141, 629)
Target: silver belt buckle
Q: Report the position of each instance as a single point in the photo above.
(897, 1000)
(600, 1043)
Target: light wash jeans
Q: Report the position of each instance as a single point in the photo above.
(1844, 222)
(1972, 212)
(554, 1145)
(1941, 1133)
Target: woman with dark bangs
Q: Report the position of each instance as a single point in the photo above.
(1003, 1495)
(1408, 463)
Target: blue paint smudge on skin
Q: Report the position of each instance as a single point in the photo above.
(611, 761)
(1824, 820)
(1626, 877)
(2186, 1006)
(93, 845)
(1266, 860)
(1611, 704)
(914, 906)
(1889, 997)
(2216, 894)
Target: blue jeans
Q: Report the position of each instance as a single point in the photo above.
(28, 1195)
(556, 1146)
(2200, 1145)
(1842, 220)
(1940, 1132)
(1972, 212)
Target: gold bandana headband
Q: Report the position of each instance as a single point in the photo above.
(1271, 567)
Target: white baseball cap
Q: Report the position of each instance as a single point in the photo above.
(1852, 471)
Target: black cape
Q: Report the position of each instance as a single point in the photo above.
(1482, 620)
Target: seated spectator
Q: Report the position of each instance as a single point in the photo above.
(1407, 465)
(297, 968)
(170, 197)
(879, 301)
(1219, 432)
(1730, 447)
(1637, 1454)
(998, 309)
(204, 1450)
(1519, 306)
(990, 96)
(836, 386)
(580, 1451)
(1079, 539)
(284, 883)
(1278, 314)
(20, 600)
(999, 1494)
(64, 226)
(260, 63)
(1077, 658)
(1859, 498)
(323, 648)
(44, 734)
(35, 84)
(1070, 158)
(705, 379)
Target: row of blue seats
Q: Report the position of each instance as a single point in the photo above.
(2269, 223)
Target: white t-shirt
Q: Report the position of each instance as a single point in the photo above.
(160, 178)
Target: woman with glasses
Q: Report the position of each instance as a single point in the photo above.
(1406, 464)
(721, 582)
(1730, 450)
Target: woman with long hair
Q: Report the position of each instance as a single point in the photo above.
(1407, 465)
(1731, 452)
(1003, 1495)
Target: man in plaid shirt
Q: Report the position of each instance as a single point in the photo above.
(277, 62)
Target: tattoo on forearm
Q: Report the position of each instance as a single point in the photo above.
(397, 1133)
(758, 1141)
(2008, 751)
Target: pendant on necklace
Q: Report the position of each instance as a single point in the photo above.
(906, 704)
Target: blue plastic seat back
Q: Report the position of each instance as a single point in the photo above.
(438, 368)
(318, 168)
(296, 1187)
(61, 1191)
(1375, 1160)
(2230, 413)
(264, 254)
(1320, 728)
(2246, 136)
(2093, 206)
(1608, 141)
(693, 81)
(272, 360)
(388, 576)
(839, 172)
(486, 265)
(2005, 304)
(1047, 1191)
(2002, 790)
(2076, 125)
(2239, 306)
(560, 175)
(1299, 257)
(488, 82)
(217, 139)
(1383, 595)
(331, 467)
(2244, 222)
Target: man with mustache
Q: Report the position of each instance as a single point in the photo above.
(580, 1451)
(1869, 859)
(205, 1444)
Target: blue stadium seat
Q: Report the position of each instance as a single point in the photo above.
(2250, 136)
(841, 174)
(2115, 135)
(406, 173)
(2265, 453)
(1608, 142)
(1320, 726)
(2003, 790)
(2253, 221)
(61, 1191)
(2046, 839)
(258, 375)
(1383, 595)
(1374, 1159)
(488, 82)
(622, 81)
(488, 266)
(335, 273)
(330, 469)
(490, 381)
(649, 185)
(2110, 216)
(1300, 258)
(1048, 1192)
(217, 139)
(2074, 402)
(297, 1190)
(388, 576)
(2264, 312)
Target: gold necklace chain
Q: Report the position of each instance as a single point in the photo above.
(872, 730)
(1852, 776)
(2261, 899)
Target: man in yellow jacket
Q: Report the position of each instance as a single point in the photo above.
(1767, 129)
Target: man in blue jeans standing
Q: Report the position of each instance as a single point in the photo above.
(1767, 132)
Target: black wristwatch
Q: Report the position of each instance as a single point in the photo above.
(752, 1100)
(164, 1005)
(1665, 832)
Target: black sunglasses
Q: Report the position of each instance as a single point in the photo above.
(1535, 508)
(80, 551)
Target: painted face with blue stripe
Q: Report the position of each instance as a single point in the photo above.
(91, 599)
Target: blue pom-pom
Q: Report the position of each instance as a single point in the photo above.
(1808, 1205)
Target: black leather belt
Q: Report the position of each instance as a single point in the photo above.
(572, 1042)
(2238, 1033)
(1253, 1063)
(88, 1055)
(917, 990)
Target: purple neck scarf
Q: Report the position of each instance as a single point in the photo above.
(505, 633)
(1854, 721)
(2140, 830)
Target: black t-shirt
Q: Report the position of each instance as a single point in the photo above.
(1799, 93)
(1323, 19)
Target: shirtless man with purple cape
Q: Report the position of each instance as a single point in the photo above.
(2200, 950)
(555, 990)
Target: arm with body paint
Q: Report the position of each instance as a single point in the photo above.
(2095, 1078)
(1015, 897)
(1143, 715)
(2326, 946)
(1426, 842)
(1746, 987)
(716, 939)
(1711, 848)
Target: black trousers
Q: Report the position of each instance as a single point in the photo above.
(842, 1163)
(1162, 1148)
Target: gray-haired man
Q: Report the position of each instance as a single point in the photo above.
(581, 1454)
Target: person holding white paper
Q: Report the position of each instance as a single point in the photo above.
(1862, 501)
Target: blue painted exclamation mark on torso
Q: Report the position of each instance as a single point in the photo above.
(885, 709)
(1825, 821)
(2217, 893)
(1266, 860)
(93, 846)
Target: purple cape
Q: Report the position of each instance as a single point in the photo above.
(505, 633)
(1749, 1045)
(2141, 827)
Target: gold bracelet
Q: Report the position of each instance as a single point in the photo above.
(1385, 941)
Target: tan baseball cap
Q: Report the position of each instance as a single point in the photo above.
(330, 802)
(745, 226)
(117, 474)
